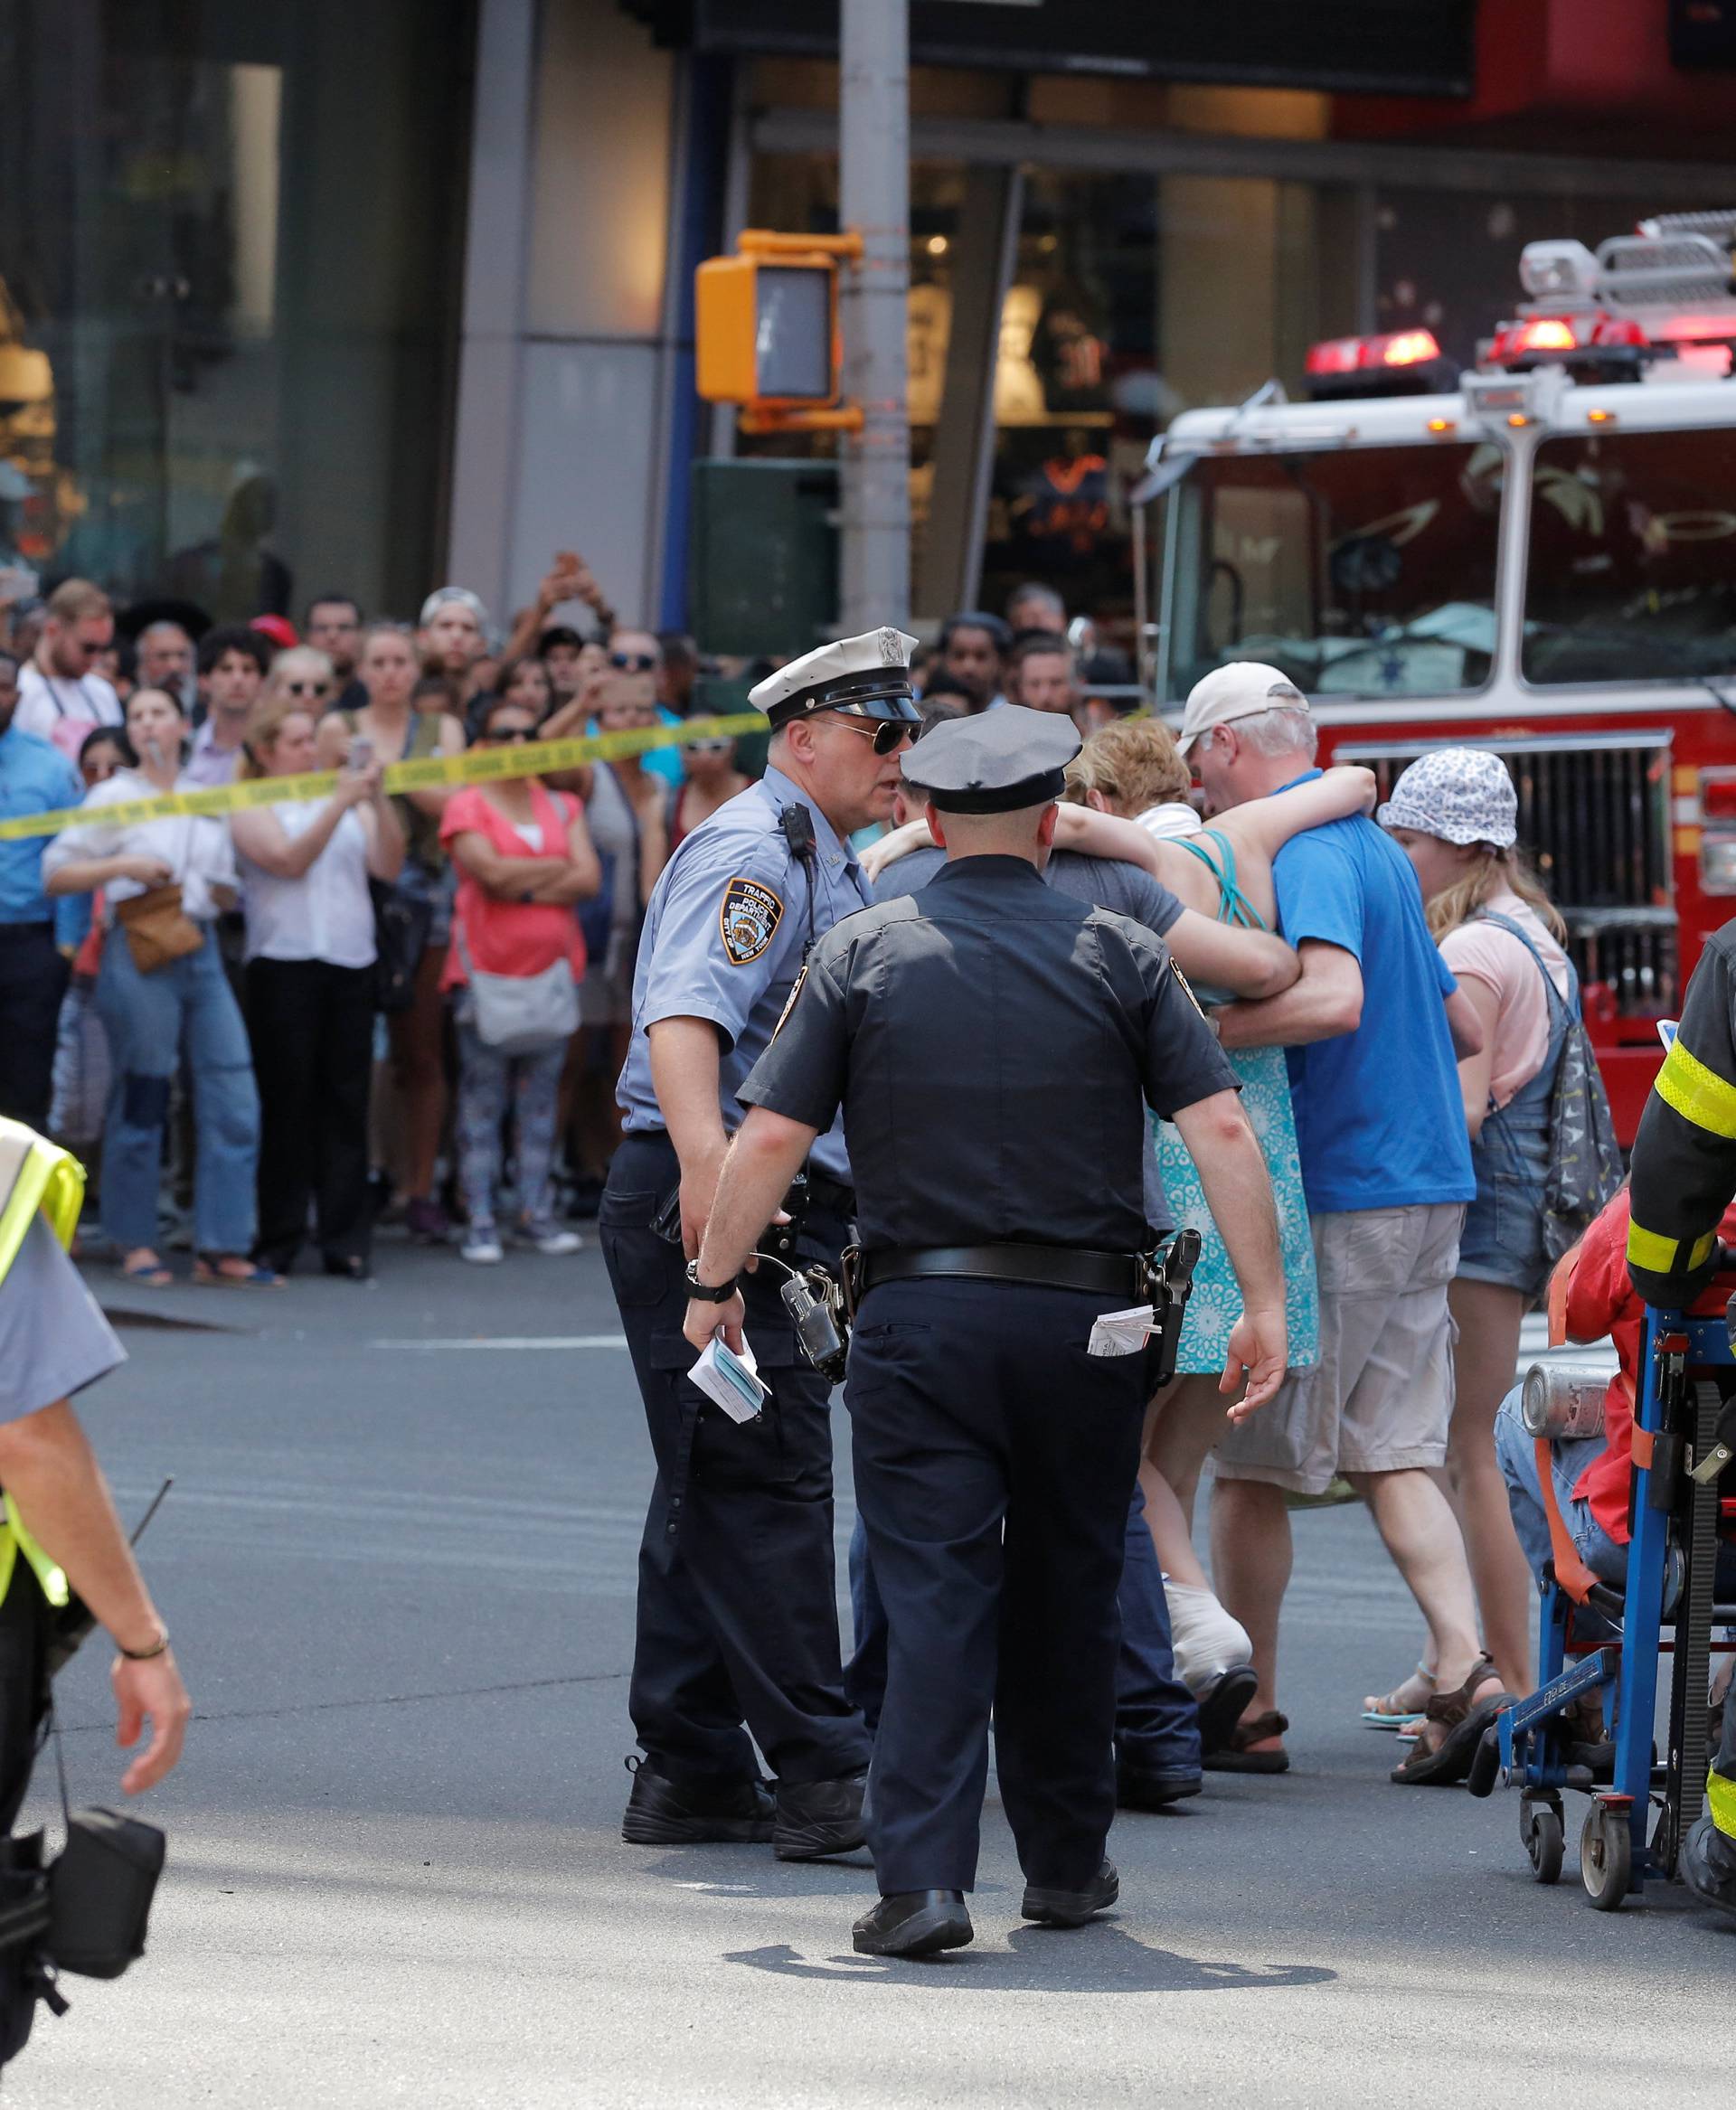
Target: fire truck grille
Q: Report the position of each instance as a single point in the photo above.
(1594, 815)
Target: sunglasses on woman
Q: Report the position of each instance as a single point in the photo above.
(705, 747)
(634, 662)
(510, 736)
(888, 734)
(306, 688)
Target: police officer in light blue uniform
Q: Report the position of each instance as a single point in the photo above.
(737, 1608)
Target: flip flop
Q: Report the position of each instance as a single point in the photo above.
(1383, 1714)
(1222, 1704)
(211, 1277)
(148, 1274)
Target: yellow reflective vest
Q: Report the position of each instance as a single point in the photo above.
(35, 1175)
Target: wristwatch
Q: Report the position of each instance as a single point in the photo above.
(707, 1293)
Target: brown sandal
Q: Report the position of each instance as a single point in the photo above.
(1252, 1728)
(1452, 1728)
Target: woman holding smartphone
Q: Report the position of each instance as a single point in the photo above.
(305, 869)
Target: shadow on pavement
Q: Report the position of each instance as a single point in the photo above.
(1098, 1960)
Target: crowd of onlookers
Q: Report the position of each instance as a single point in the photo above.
(267, 1027)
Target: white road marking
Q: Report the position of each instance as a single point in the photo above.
(510, 1340)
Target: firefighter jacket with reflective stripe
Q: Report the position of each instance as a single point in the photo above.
(1684, 1155)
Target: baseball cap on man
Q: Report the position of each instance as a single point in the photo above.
(1460, 795)
(1243, 689)
(441, 595)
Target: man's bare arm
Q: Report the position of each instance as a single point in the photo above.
(1239, 1194)
(1253, 963)
(686, 1079)
(1325, 1001)
(48, 1468)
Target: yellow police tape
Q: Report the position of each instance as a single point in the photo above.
(432, 773)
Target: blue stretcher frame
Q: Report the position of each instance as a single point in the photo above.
(1530, 1733)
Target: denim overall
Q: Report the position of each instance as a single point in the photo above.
(1503, 1238)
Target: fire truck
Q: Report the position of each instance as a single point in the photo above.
(1537, 557)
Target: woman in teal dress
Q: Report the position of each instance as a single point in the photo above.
(1224, 871)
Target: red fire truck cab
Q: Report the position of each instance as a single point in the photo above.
(1536, 556)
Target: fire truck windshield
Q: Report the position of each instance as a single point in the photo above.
(1364, 572)
(1632, 568)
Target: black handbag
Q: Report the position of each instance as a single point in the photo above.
(401, 924)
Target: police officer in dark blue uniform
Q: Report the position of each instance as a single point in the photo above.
(737, 1608)
(994, 1045)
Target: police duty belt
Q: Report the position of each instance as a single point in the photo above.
(431, 772)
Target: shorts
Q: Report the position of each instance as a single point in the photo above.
(1503, 1238)
(1380, 1397)
(440, 890)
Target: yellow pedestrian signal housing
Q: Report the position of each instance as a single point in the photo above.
(765, 322)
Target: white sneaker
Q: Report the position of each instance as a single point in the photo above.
(1206, 1640)
(550, 1238)
(482, 1245)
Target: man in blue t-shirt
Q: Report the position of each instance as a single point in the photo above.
(1372, 1029)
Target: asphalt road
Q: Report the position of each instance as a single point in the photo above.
(399, 1565)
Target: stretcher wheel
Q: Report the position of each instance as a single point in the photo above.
(1542, 1832)
(1486, 1765)
(1606, 1855)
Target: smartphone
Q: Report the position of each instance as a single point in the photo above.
(361, 752)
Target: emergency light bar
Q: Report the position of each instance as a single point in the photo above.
(1544, 334)
(1336, 355)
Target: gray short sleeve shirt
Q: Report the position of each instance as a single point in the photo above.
(53, 1339)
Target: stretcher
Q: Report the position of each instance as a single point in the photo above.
(1684, 1432)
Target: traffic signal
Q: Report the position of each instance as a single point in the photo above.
(766, 323)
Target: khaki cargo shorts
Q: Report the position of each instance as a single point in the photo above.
(1381, 1395)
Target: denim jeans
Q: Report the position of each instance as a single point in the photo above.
(1516, 1449)
(186, 1006)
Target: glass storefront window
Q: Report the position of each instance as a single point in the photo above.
(1631, 573)
(229, 248)
(1369, 573)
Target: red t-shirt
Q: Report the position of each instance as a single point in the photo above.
(511, 937)
(1602, 1300)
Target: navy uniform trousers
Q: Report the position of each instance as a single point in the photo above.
(993, 1460)
(738, 1615)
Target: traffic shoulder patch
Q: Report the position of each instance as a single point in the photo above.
(747, 919)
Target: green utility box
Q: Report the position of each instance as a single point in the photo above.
(763, 577)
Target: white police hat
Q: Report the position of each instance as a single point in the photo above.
(996, 762)
(868, 676)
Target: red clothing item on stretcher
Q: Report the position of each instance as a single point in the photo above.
(1602, 1300)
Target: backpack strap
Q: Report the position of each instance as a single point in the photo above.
(1555, 996)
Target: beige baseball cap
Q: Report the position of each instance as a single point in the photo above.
(1243, 689)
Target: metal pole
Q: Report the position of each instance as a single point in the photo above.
(875, 197)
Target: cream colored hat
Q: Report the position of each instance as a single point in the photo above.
(1243, 689)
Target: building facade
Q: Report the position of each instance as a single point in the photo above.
(360, 297)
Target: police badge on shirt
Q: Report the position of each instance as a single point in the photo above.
(747, 918)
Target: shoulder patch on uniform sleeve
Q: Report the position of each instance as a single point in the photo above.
(789, 1003)
(748, 918)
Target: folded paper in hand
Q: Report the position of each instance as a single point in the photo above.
(1121, 1332)
(729, 1380)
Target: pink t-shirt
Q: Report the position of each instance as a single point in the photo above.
(1484, 952)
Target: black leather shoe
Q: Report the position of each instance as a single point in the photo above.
(659, 1812)
(1709, 1865)
(914, 1923)
(817, 1817)
(1222, 1706)
(1144, 1787)
(1073, 1907)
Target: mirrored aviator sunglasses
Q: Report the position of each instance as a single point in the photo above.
(888, 734)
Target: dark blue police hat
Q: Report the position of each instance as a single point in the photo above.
(994, 763)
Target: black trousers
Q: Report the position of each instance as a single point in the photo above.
(33, 981)
(993, 1461)
(737, 1618)
(23, 1693)
(311, 1025)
